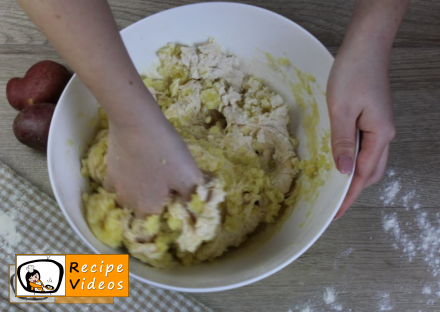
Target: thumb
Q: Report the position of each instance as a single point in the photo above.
(343, 138)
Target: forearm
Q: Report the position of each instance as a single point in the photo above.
(374, 25)
(85, 34)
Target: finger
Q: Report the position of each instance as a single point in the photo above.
(108, 184)
(380, 169)
(186, 185)
(184, 191)
(343, 137)
(372, 148)
(356, 187)
(153, 201)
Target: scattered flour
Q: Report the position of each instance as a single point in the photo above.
(347, 252)
(393, 188)
(421, 238)
(402, 239)
(390, 223)
(303, 308)
(384, 303)
(418, 237)
(390, 192)
(426, 290)
(344, 254)
(407, 197)
(427, 240)
(329, 296)
(9, 237)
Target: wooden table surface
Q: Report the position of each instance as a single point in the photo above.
(356, 257)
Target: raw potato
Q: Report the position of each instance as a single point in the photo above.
(43, 83)
(31, 126)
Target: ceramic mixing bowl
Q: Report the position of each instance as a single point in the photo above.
(267, 43)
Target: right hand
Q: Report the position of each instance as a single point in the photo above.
(358, 96)
(147, 161)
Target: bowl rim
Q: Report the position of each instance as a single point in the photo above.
(201, 289)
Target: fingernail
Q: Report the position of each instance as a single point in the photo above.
(345, 164)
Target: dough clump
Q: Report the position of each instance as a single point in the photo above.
(236, 130)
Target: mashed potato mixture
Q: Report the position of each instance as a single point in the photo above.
(236, 129)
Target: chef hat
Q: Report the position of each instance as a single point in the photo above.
(30, 268)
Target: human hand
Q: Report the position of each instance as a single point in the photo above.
(86, 35)
(147, 161)
(358, 96)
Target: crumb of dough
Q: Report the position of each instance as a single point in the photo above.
(283, 61)
(236, 130)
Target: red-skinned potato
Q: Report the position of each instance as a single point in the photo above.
(31, 126)
(43, 83)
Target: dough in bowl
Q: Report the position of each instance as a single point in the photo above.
(236, 130)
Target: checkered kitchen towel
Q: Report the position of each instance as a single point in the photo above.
(32, 213)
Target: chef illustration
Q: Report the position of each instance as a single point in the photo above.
(33, 280)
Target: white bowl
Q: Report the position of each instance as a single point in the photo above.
(242, 30)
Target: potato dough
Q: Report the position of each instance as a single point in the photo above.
(236, 129)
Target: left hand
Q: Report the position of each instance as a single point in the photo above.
(358, 95)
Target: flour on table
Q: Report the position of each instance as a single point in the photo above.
(417, 237)
(384, 303)
(394, 195)
(390, 192)
(407, 197)
(329, 296)
(391, 173)
(420, 238)
(304, 309)
(344, 254)
(427, 290)
(403, 241)
(347, 252)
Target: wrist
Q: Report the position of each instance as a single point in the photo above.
(372, 54)
(134, 109)
(364, 42)
(373, 27)
(366, 36)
